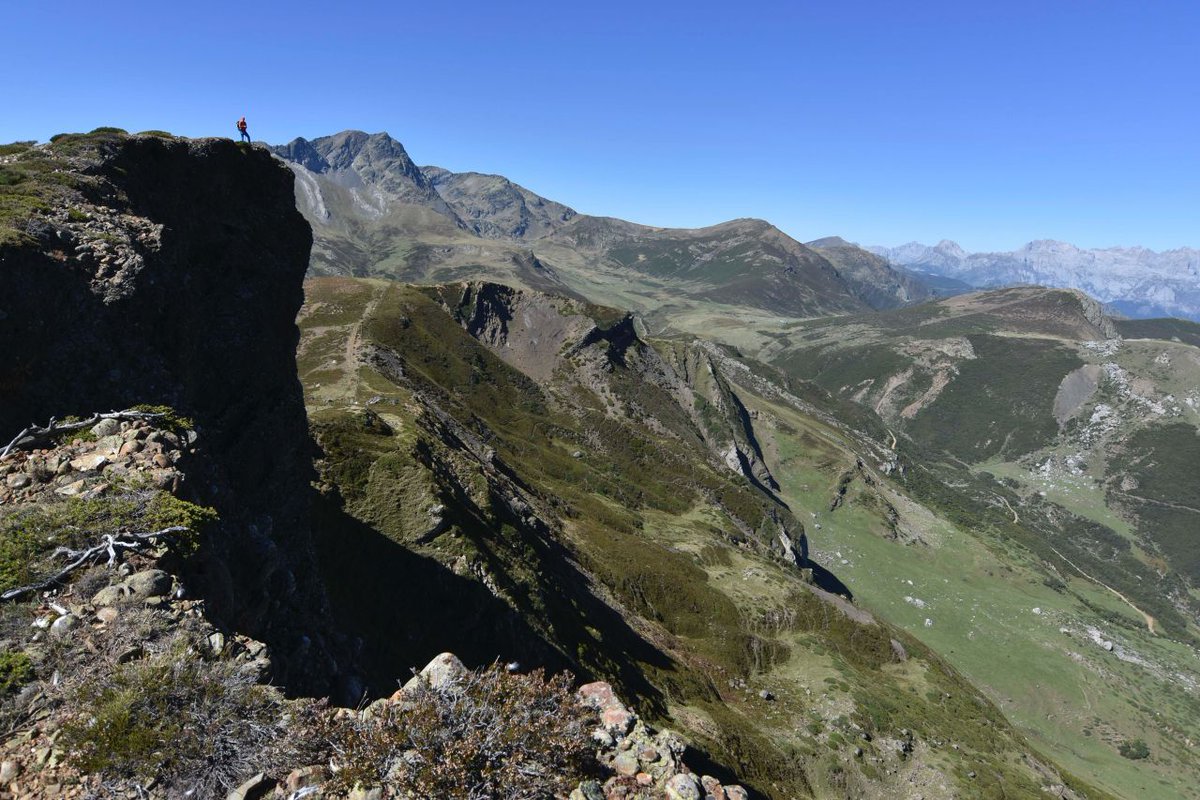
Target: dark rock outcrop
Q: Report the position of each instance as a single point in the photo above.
(171, 273)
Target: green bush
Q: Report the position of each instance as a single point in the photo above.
(171, 418)
(10, 177)
(14, 148)
(16, 670)
(1135, 750)
(28, 535)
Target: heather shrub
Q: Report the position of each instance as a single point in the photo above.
(189, 723)
(488, 734)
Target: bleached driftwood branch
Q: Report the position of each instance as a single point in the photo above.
(35, 433)
(110, 544)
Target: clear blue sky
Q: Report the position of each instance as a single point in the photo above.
(986, 121)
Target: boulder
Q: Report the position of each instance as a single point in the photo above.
(626, 764)
(712, 787)
(62, 626)
(105, 427)
(303, 777)
(18, 480)
(588, 790)
(254, 789)
(137, 587)
(442, 670)
(89, 463)
(684, 786)
(148, 583)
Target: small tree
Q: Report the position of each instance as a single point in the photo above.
(1136, 749)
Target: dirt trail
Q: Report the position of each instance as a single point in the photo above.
(1013, 511)
(354, 339)
(345, 388)
(1162, 503)
(1150, 621)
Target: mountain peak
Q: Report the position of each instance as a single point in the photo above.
(950, 247)
(345, 149)
(830, 241)
(302, 152)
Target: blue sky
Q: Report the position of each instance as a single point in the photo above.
(991, 123)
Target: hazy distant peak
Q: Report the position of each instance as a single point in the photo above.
(1136, 281)
(950, 247)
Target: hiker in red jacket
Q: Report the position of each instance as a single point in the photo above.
(241, 126)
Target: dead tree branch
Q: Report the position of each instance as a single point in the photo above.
(110, 544)
(35, 433)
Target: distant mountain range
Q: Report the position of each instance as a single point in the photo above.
(1134, 281)
(374, 212)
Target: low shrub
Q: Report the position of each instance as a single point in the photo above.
(488, 734)
(193, 725)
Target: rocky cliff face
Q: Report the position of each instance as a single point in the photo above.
(169, 272)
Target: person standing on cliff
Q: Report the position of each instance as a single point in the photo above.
(241, 126)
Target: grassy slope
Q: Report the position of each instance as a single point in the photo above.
(701, 614)
(1077, 701)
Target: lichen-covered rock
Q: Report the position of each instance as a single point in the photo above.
(684, 787)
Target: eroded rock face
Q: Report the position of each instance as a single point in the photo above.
(171, 274)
